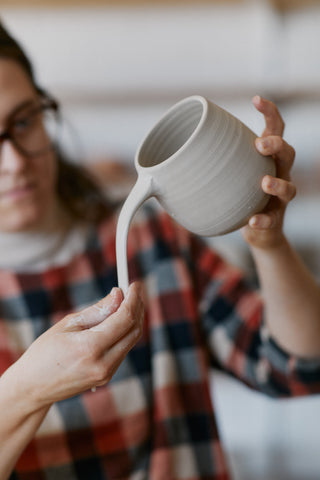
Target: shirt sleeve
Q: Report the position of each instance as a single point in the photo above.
(232, 322)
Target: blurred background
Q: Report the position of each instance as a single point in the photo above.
(117, 66)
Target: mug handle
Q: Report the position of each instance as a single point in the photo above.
(141, 191)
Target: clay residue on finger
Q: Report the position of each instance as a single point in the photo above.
(79, 321)
(104, 307)
(105, 310)
(76, 320)
(95, 314)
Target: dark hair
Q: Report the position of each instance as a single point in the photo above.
(76, 188)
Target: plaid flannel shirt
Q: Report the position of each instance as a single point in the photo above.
(155, 419)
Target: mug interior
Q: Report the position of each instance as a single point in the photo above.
(171, 132)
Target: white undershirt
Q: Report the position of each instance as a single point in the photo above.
(54, 244)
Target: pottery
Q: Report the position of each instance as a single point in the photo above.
(201, 164)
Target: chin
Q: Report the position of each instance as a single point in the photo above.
(23, 220)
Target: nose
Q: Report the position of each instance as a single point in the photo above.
(11, 160)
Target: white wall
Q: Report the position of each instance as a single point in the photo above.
(134, 62)
(267, 439)
(118, 69)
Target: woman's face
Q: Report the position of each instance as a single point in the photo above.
(27, 184)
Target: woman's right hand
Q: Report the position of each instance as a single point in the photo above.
(80, 352)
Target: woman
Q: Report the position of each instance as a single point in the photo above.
(154, 418)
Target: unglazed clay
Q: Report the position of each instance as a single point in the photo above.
(201, 164)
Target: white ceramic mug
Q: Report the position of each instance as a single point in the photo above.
(201, 164)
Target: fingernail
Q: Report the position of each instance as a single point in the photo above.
(253, 222)
(271, 182)
(262, 144)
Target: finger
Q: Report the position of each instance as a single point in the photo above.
(115, 356)
(278, 187)
(263, 221)
(274, 123)
(95, 314)
(277, 147)
(128, 317)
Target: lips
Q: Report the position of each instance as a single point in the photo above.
(18, 192)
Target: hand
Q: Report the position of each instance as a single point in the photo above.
(264, 230)
(81, 351)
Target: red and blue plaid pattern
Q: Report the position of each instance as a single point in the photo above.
(155, 419)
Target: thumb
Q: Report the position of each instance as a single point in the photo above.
(96, 313)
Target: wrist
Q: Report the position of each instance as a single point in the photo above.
(16, 395)
(275, 256)
(272, 245)
(19, 422)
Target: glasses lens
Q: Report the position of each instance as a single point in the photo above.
(35, 131)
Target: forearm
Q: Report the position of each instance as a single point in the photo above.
(82, 350)
(18, 425)
(292, 300)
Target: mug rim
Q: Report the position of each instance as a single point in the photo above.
(200, 99)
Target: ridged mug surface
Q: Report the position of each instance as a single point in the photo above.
(200, 162)
(205, 169)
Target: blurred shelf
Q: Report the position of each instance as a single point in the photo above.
(117, 3)
(285, 5)
(280, 5)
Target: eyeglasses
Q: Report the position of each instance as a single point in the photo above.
(33, 128)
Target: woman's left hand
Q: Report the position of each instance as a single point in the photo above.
(264, 230)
